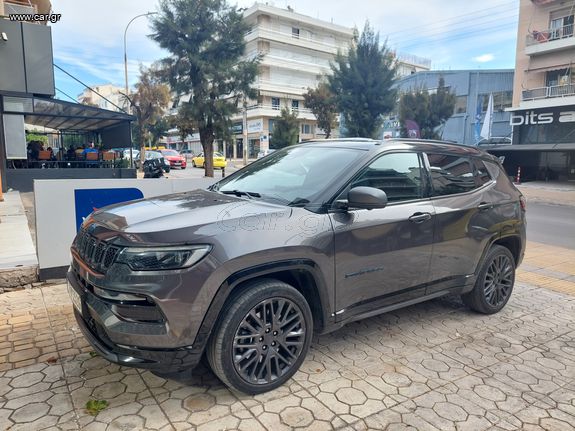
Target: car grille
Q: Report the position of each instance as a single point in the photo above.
(98, 255)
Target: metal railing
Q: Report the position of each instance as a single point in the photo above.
(268, 32)
(278, 108)
(549, 35)
(547, 92)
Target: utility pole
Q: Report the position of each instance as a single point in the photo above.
(245, 127)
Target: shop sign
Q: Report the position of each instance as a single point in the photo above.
(256, 126)
(532, 117)
(237, 129)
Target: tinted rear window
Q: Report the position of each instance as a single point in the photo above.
(481, 172)
(450, 174)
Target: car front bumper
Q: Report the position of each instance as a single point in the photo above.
(92, 316)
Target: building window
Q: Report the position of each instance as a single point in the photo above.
(295, 32)
(276, 103)
(271, 126)
(501, 100)
(559, 77)
(295, 105)
(561, 27)
(460, 105)
(306, 129)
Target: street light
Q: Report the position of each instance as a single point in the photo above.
(126, 77)
(125, 50)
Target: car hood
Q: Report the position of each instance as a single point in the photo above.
(199, 211)
(173, 157)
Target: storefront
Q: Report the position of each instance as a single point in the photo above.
(543, 144)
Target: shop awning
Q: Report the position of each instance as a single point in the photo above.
(63, 116)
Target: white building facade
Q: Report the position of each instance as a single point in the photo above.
(296, 53)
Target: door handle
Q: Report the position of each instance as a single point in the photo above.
(419, 217)
(485, 206)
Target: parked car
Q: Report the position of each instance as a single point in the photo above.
(219, 161)
(154, 154)
(176, 159)
(306, 240)
(187, 153)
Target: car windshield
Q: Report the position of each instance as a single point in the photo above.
(153, 155)
(294, 175)
(170, 153)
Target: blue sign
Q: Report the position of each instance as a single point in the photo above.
(89, 200)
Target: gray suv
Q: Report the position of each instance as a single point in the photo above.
(306, 239)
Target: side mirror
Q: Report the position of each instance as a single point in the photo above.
(366, 198)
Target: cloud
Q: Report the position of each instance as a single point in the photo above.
(485, 58)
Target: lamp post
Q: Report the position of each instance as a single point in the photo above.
(126, 79)
(125, 50)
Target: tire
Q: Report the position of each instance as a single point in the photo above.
(194, 164)
(266, 339)
(494, 283)
(183, 167)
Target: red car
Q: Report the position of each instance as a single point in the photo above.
(176, 159)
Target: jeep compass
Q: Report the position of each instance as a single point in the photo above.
(308, 238)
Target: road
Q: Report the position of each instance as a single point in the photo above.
(551, 224)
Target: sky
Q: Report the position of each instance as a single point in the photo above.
(453, 34)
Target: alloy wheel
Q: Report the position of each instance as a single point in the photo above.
(498, 280)
(268, 341)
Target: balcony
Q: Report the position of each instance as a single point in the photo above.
(547, 92)
(290, 39)
(546, 97)
(555, 39)
(268, 110)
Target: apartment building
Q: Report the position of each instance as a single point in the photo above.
(8, 7)
(409, 64)
(296, 53)
(111, 92)
(543, 112)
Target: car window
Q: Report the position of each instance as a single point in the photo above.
(481, 172)
(450, 174)
(399, 175)
(296, 175)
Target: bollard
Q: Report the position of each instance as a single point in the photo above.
(223, 172)
(518, 177)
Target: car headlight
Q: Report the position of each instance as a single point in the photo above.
(159, 258)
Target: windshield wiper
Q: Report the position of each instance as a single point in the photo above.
(241, 193)
(299, 202)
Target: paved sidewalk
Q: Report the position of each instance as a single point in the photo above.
(550, 192)
(434, 366)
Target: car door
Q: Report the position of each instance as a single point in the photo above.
(463, 218)
(382, 256)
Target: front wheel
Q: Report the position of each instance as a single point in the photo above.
(494, 282)
(262, 338)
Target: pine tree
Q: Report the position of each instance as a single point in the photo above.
(206, 42)
(362, 82)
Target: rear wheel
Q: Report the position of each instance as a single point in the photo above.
(193, 164)
(262, 338)
(494, 282)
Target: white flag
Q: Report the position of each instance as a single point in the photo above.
(486, 128)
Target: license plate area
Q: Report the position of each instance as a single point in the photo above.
(75, 298)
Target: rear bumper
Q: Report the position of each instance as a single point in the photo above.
(93, 328)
